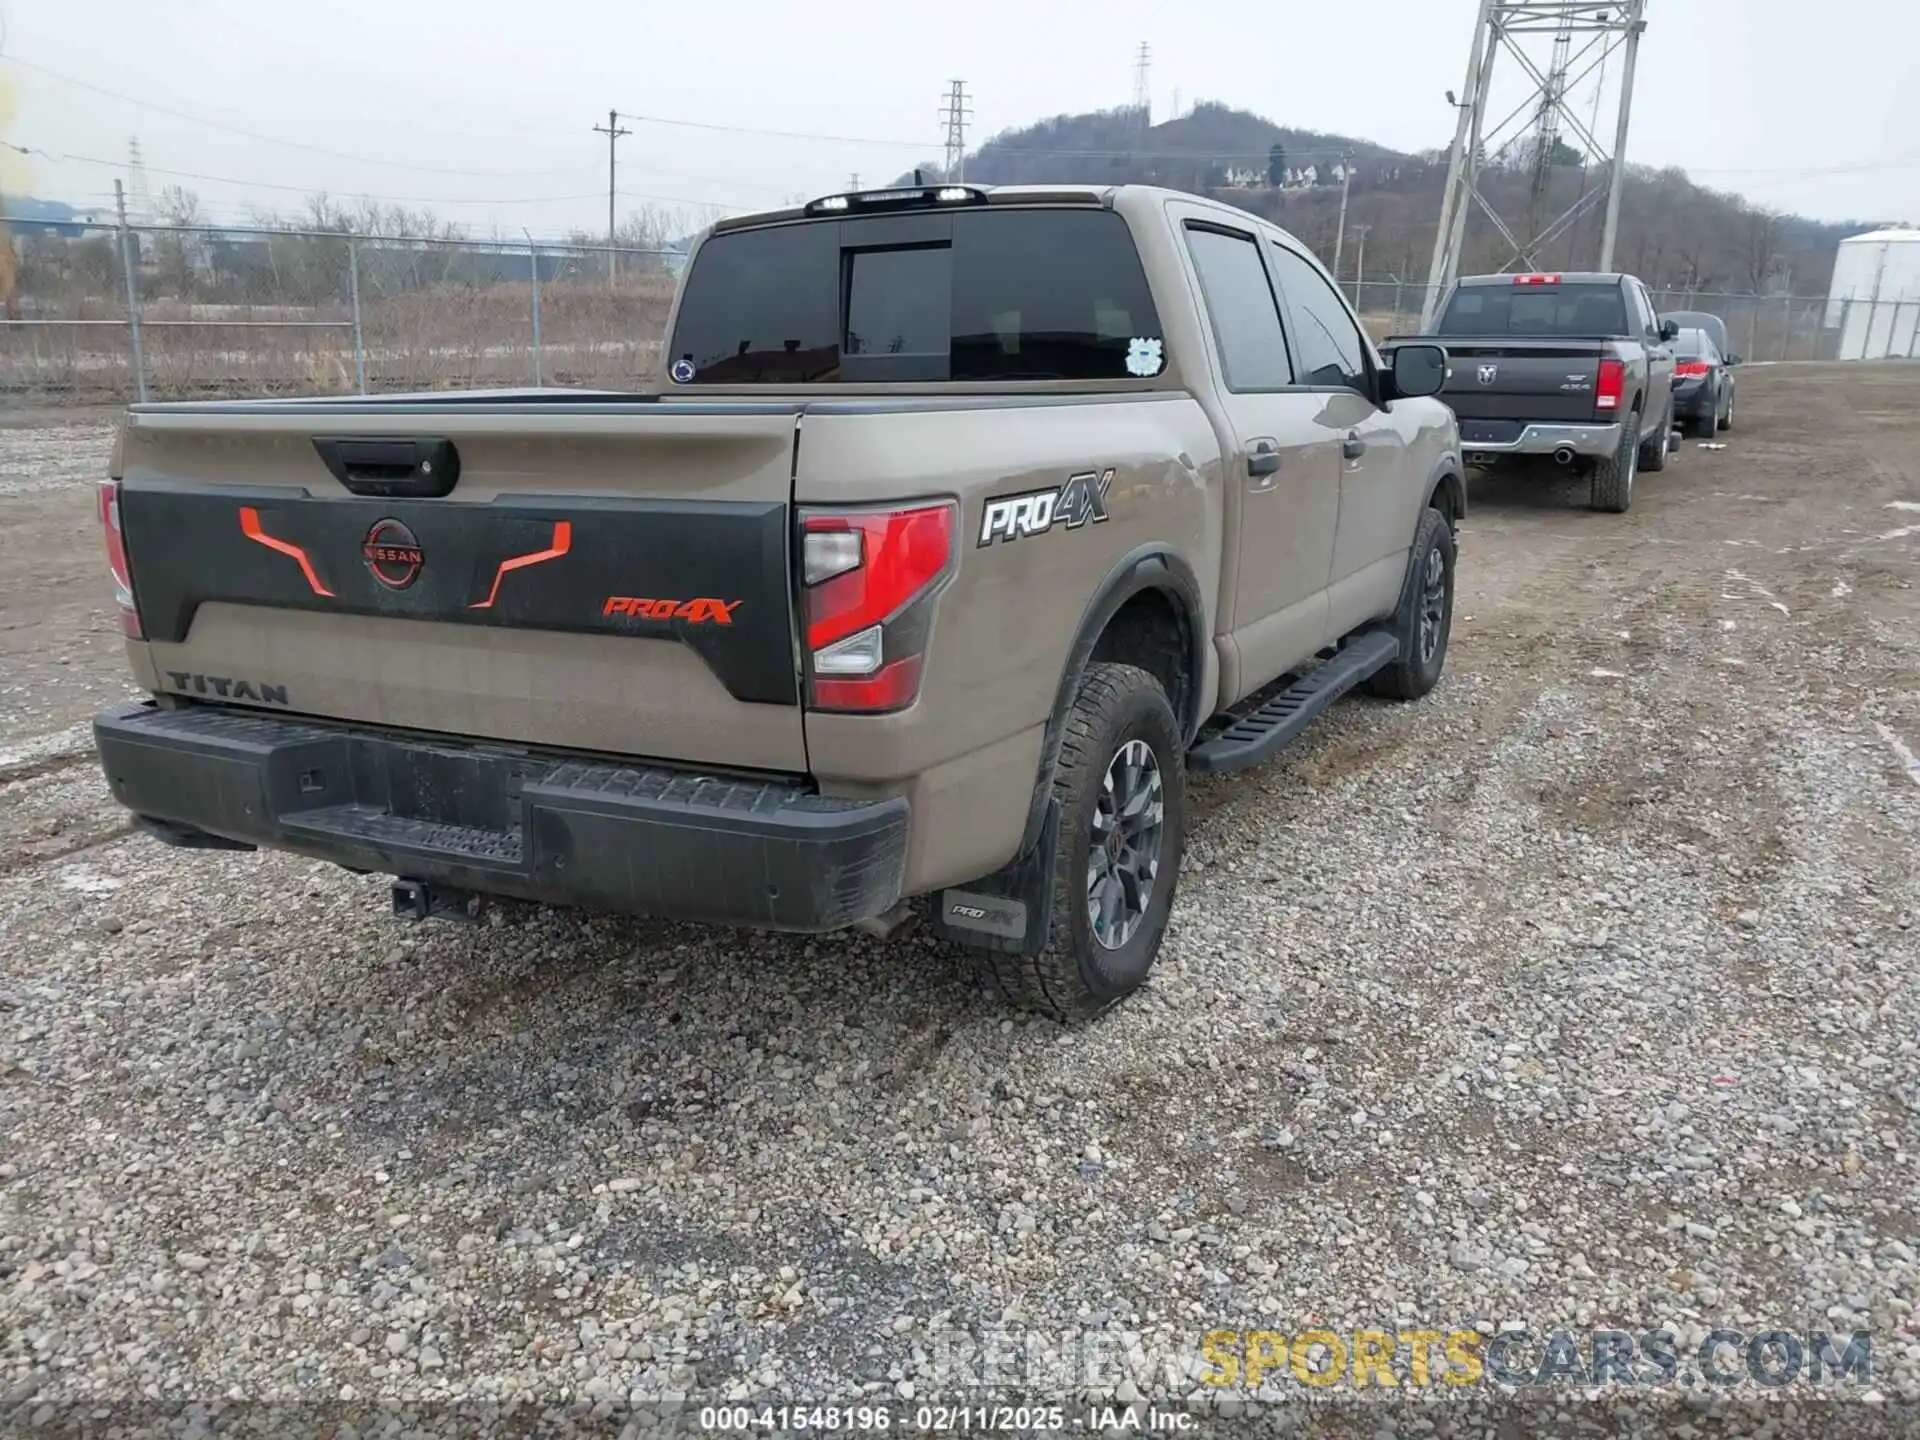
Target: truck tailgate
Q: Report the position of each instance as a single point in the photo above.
(605, 576)
(1509, 381)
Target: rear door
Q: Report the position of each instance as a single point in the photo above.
(1375, 527)
(577, 571)
(1283, 470)
(1646, 326)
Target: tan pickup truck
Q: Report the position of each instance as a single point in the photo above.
(969, 522)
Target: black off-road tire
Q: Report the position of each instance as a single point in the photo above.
(1418, 669)
(1653, 454)
(1076, 977)
(1611, 485)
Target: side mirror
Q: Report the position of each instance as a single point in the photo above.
(1419, 370)
(1733, 359)
(1669, 330)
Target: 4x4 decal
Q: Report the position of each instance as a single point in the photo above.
(1078, 500)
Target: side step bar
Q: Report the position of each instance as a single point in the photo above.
(1251, 737)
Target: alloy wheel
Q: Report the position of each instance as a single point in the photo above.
(1123, 856)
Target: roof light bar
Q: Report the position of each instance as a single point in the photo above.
(908, 198)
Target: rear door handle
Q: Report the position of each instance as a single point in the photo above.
(1263, 461)
(1353, 447)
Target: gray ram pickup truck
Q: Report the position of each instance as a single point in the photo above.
(970, 521)
(1575, 367)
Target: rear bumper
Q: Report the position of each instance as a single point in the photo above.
(604, 833)
(1488, 439)
(1693, 400)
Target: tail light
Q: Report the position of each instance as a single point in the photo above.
(109, 498)
(1610, 386)
(868, 578)
(1690, 369)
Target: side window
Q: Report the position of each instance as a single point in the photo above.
(1240, 305)
(1331, 351)
(1649, 321)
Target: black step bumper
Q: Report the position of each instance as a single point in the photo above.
(602, 833)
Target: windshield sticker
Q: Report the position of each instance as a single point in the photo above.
(682, 371)
(1144, 357)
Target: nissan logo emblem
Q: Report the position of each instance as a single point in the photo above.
(393, 554)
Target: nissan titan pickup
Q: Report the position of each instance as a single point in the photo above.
(966, 524)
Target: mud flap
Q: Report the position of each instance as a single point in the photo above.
(1011, 910)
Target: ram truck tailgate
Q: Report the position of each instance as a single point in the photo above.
(1551, 380)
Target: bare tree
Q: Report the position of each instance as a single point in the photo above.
(183, 255)
(1760, 247)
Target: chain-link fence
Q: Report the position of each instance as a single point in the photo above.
(108, 314)
(104, 314)
(1759, 327)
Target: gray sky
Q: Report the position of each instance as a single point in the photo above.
(1739, 92)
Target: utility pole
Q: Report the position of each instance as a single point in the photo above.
(1580, 35)
(129, 250)
(1142, 89)
(613, 131)
(954, 114)
(1359, 263)
(1340, 226)
(853, 182)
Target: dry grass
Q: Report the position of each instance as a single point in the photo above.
(449, 337)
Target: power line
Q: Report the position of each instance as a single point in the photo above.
(193, 119)
(59, 157)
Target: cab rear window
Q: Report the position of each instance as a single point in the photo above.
(1571, 311)
(984, 295)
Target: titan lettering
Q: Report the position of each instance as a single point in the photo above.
(1078, 500)
(224, 687)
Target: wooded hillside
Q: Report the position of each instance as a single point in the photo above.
(1674, 234)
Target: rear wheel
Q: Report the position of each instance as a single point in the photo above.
(1121, 788)
(1706, 422)
(1611, 487)
(1653, 454)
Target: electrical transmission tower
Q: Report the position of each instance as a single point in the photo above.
(1546, 129)
(1142, 90)
(954, 114)
(139, 198)
(1517, 27)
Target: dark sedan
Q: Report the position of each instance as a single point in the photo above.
(1706, 320)
(1702, 384)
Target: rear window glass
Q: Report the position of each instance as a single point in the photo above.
(980, 295)
(1691, 345)
(1570, 310)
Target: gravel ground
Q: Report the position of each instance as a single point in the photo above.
(1585, 993)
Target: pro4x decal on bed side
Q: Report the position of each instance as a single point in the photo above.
(1078, 500)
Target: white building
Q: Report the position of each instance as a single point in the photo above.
(1874, 300)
